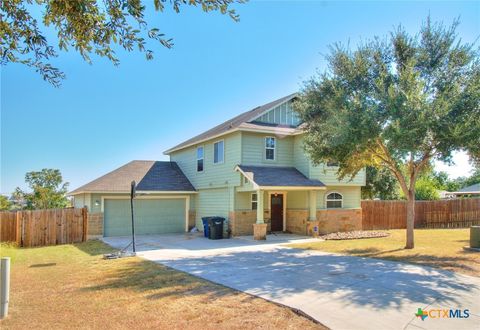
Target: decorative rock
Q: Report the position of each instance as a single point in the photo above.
(354, 235)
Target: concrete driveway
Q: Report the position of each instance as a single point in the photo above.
(341, 292)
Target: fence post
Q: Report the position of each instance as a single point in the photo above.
(4, 286)
(18, 228)
(85, 223)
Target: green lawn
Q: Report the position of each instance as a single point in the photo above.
(442, 248)
(71, 286)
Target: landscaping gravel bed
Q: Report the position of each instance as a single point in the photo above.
(354, 235)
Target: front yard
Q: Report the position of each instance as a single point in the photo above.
(441, 248)
(71, 286)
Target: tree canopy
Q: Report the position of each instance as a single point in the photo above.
(5, 203)
(380, 183)
(398, 103)
(87, 26)
(48, 190)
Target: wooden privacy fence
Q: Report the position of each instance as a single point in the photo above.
(44, 227)
(454, 213)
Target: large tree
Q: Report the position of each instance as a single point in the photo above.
(87, 26)
(396, 103)
(380, 183)
(48, 190)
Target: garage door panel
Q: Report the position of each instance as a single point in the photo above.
(152, 216)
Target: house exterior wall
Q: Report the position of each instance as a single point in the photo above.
(253, 150)
(82, 200)
(212, 202)
(213, 175)
(351, 196)
(334, 220)
(322, 172)
(300, 159)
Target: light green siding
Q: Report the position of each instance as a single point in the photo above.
(97, 199)
(243, 201)
(351, 196)
(213, 175)
(282, 114)
(300, 159)
(212, 202)
(253, 150)
(152, 216)
(297, 199)
(82, 200)
(326, 174)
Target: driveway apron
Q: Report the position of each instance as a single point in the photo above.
(341, 292)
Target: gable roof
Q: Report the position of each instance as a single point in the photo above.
(278, 176)
(152, 176)
(165, 176)
(236, 123)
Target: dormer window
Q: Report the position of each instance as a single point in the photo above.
(270, 144)
(200, 159)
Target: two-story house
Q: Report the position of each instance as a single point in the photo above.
(251, 169)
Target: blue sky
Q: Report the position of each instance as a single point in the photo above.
(104, 116)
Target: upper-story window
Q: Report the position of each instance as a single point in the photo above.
(334, 200)
(218, 152)
(332, 164)
(270, 144)
(200, 159)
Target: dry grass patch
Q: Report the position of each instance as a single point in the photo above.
(441, 248)
(71, 286)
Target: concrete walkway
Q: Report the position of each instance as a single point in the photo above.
(341, 292)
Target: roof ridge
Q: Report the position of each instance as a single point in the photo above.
(231, 123)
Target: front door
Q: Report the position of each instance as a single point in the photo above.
(276, 203)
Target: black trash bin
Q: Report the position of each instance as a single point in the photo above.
(206, 231)
(215, 225)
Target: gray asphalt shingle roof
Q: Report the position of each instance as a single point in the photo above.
(472, 188)
(165, 176)
(150, 176)
(232, 123)
(280, 176)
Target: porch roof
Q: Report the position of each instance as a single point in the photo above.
(271, 177)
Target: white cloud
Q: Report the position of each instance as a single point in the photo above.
(460, 166)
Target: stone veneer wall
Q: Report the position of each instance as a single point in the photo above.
(297, 221)
(95, 225)
(241, 221)
(329, 221)
(335, 220)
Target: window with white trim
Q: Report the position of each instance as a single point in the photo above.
(270, 144)
(334, 200)
(218, 152)
(200, 159)
(254, 201)
(332, 164)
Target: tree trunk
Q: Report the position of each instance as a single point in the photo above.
(410, 219)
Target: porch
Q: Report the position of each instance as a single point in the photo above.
(282, 199)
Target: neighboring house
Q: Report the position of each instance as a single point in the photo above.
(251, 169)
(470, 191)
